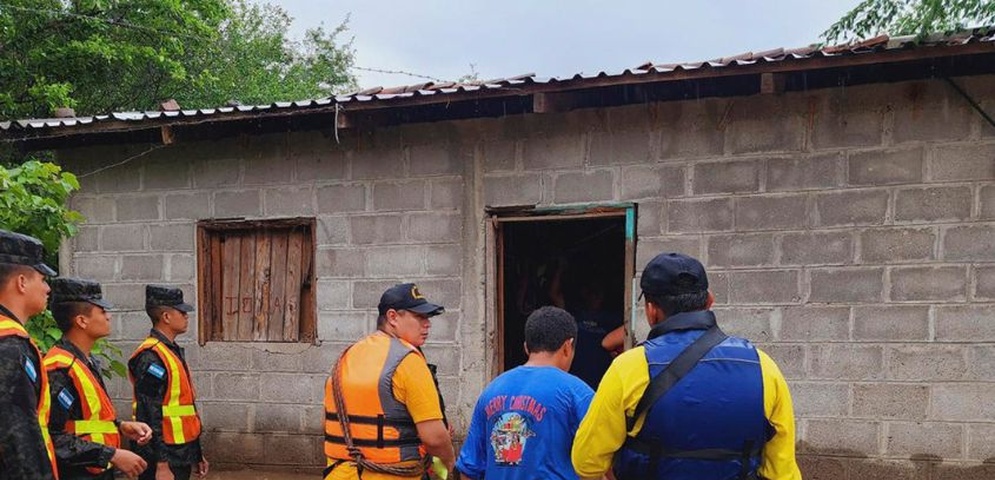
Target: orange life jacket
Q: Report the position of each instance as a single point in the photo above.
(11, 327)
(380, 425)
(180, 421)
(97, 424)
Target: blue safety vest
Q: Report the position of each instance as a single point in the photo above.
(711, 424)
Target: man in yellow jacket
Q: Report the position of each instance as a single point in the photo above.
(690, 403)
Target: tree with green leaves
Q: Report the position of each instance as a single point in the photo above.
(910, 17)
(98, 56)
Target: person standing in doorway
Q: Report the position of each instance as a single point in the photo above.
(26, 450)
(164, 391)
(690, 402)
(84, 425)
(382, 412)
(524, 421)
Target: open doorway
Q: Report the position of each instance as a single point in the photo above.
(578, 260)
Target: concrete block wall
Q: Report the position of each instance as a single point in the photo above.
(848, 232)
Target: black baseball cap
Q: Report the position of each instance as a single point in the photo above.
(77, 290)
(671, 273)
(405, 296)
(164, 296)
(19, 249)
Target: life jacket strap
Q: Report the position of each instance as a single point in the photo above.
(655, 449)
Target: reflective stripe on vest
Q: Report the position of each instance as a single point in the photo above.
(97, 422)
(11, 327)
(180, 421)
(381, 426)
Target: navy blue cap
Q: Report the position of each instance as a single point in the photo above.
(670, 274)
(77, 290)
(164, 296)
(405, 296)
(19, 249)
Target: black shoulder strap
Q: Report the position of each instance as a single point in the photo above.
(673, 373)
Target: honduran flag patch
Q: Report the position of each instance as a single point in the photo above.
(66, 399)
(157, 371)
(31, 370)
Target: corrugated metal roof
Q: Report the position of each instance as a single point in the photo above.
(399, 94)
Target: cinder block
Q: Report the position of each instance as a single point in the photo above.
(965, 323)
(931, 111)
(447, 292)
(981, 363)
(98, 268)
(444, 329)
(180, 268)
(888, 245)
(861, 207)
(790, 358)
(740, 250)
(133, 326)
(850, 116)
(929, 283)
(963, 471)
(699, 215)
(289, 202)
(399, 195)
(142, 267)
(750, 323)
(972, 243)
(649, 219)
(171, 173)
(334, 294)
(987, 202)
(772, 213)
(225, 415)
(433, 159)
(172, 237)
(341, 198)
(276, 361)
(850, 285)
(765, 123)
(373, 164)
(220, 357)
(366, 294)
(262, 169)
(891, 323)
(193, 206)
(122, 238)
(237, 204)
(499, 156)
(846, 437)
(94, 209)
(444, 259)
(446, 194)
(846, 362)
(690, 129)
(332, 230)
(235, 447)
(621, 147)
(937, 363)
(813, 400)
(236, 386)
(971, 162)
(822, 468)
(584, 187)
(934, 203)
(726, 177)
(285, 388)
(885, 167)
(876, 469)
(214, 173)
(764, 287)
(277, 418)
(320, 358)
(340, 263)
(647, 248)
(552, 152)
(981, 441)
(375, 229)
(294, 449)
(814, 324)
(400, 261)
(122, 179)
(508, 190)
(651, 182)
(87, 239)
(813, 248)
(962, 402)
(435, 227)
(319, 165)
(344, 326)
(132, 208)
(810, 172)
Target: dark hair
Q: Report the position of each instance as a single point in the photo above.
(8, 270)
(65, 312)
(155, 312)
(548, 328)
(684, 302)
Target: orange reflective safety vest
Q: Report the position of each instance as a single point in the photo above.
(381, 426)
(180, 421)
(11, 327)
(97, 424)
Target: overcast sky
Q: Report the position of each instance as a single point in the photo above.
(557, 38)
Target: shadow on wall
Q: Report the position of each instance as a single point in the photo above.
(842, 464)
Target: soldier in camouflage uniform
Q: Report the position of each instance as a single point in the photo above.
(26, 452)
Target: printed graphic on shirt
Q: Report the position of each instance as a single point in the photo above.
(66, 399)
(509, 437)
(157, 371)
(32, 372)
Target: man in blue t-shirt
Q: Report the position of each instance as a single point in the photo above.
(524, 423)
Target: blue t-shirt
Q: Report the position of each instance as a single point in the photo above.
(524, 424)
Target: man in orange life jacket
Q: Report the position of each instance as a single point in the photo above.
(164, 393)
(26, 451)
(84, 425)
(382, 411)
